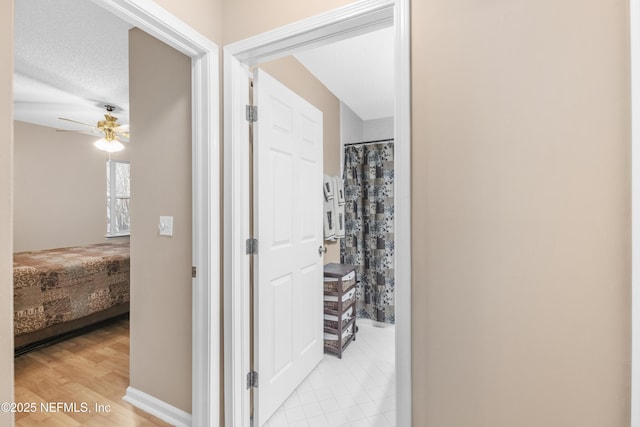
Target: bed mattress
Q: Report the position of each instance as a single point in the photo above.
(55, 286)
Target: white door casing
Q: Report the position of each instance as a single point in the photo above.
(288, 217)
(634, 36)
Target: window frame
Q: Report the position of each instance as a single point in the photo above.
(112, 197)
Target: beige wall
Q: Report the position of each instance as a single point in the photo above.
(203, 15)
(521, 273)
(296, 77)
(160, 105)
(59, 188)
(246, 18)
(521, 202)
(6, 209)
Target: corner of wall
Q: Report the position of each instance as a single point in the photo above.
(6, 209)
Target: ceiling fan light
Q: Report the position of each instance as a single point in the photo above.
(108, 146)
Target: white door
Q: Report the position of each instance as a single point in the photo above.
(288, 218)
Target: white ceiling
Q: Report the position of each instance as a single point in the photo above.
(358, 71)
(71, 58)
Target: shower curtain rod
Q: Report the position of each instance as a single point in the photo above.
(369, 142)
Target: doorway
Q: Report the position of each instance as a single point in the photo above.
(362, 17)
(203, 55)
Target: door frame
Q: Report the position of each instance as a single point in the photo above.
(205, 187)
(634, 34)
(351, 20)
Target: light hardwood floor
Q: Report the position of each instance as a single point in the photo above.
(91, 369)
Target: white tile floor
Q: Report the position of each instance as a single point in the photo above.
(355, 391)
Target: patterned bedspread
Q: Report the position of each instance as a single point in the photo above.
(58, 285)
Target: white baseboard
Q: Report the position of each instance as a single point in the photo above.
(157, 408)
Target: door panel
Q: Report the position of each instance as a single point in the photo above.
(288, 219)
(308, 285)
(283, 194)
(309, 227)
(282, 325)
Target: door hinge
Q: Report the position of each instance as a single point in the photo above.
(193, 271)
(252, 246)
(252, 113)
(252, 379)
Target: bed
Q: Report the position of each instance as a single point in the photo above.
(57, 291)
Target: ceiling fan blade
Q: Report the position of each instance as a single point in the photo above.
(85, 132)
(77, 122)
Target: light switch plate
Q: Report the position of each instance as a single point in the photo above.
(166, 226)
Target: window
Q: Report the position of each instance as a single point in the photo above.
(118, 198)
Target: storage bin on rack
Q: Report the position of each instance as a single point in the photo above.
(332, 322)
(333, 340)
(337, 284)
(331, 301)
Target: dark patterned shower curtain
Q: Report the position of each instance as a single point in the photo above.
(368, 242)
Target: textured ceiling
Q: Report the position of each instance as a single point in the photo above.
(359, 71)
(71, 58)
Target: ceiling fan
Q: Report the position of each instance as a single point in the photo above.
(112, 132)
